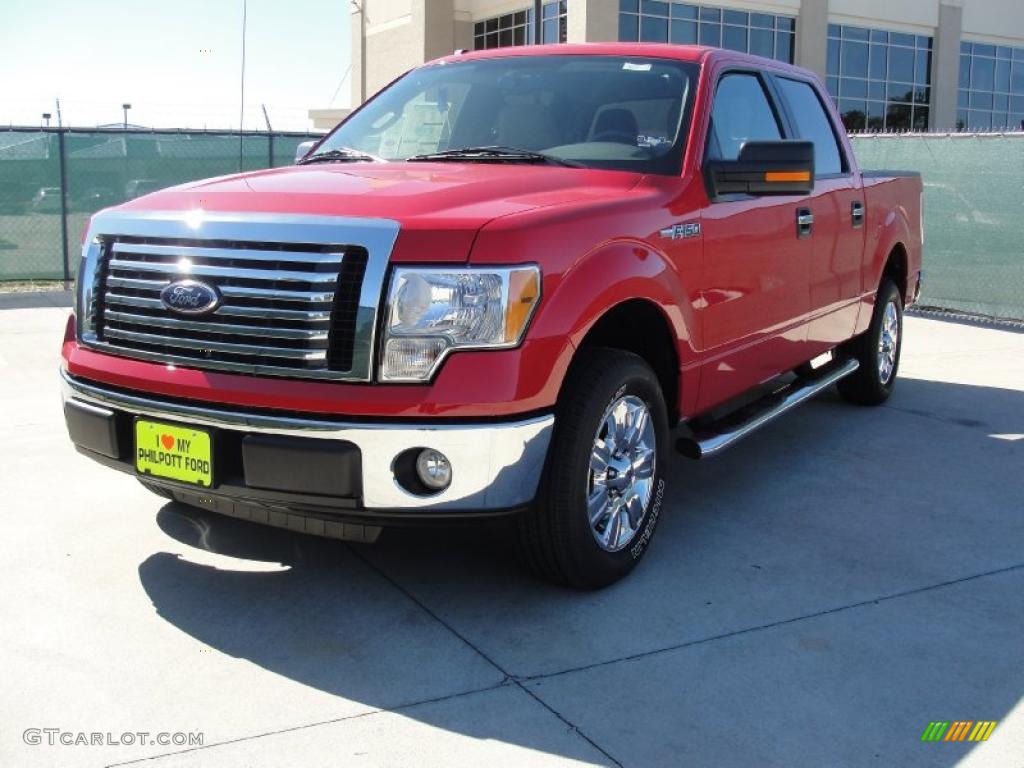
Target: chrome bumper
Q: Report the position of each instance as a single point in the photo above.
(495, 466)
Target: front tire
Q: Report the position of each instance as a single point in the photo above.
(603, 486)
(877, 350)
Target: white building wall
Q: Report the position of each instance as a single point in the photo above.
(486, 9)
(996, 21)
(919, 16)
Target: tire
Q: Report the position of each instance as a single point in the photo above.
(605, 388)
(876, 351)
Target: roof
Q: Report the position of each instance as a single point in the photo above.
(692, 53)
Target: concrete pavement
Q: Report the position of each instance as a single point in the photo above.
(814, 597)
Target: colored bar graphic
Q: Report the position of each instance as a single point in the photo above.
(983, 730)
(958, 730)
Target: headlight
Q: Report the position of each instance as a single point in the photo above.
(433, 311)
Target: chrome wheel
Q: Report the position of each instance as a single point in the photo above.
(621, 477)
(888, 342)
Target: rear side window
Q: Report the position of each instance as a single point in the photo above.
(741, 113)
(812, 124)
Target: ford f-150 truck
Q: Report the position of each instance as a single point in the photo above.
(508, 284)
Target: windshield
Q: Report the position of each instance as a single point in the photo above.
(612, 112)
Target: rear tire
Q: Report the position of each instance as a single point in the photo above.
(603, 485)
(877, 350)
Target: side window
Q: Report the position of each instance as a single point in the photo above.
(812, 124)
(741, 113)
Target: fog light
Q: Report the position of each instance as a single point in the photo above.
(433, 469)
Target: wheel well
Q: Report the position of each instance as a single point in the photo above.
(638, 326)
(896, 269)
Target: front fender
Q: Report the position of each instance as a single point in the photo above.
(596, 253)
(617, 272)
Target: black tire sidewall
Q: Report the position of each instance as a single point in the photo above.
(864, 387)
(888, 292)
(587, 563)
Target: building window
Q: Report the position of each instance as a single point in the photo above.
(764, 34)
(991, 93)
(517, 28)
(881, 81)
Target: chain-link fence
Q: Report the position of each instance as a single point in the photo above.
(51, 180)
(973, 215)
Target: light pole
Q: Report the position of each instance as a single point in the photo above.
(46, 117)
(126, 107)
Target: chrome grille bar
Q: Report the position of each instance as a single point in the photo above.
(248, 254)
(225, 310)
(228, 290)
(202, 345)
(183, 270)
(301, 334)
(131, 282)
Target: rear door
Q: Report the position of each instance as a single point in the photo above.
(837, 205)
(754, 299)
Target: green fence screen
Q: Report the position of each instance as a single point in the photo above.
(974, 206)
(973, 215)
(103, 168)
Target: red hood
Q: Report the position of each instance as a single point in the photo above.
(440, 206)
(443, 196)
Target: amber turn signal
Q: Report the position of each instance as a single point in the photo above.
(787, 176)
(523, 293)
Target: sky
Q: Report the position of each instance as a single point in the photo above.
(177, 62)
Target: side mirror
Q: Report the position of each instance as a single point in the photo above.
(765, 168)
(303, 149)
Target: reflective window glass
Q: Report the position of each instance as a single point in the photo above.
(762, 34)
(891, 69)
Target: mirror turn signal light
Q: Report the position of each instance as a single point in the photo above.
(777, 176)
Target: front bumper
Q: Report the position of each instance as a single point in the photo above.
(496, 466)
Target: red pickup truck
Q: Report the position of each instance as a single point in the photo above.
(509, 284)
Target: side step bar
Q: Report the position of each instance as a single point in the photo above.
(715, 438)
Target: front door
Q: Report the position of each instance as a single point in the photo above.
(755, 289)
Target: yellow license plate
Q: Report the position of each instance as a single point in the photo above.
(177, 453)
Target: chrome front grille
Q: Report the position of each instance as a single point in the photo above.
(275, 313)
(287, 308)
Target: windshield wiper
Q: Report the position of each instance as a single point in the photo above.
(341, 155)
(493, 154)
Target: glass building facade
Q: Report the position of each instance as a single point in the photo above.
(880, 80)
(517, 28)
(763, 34)
(991, 89)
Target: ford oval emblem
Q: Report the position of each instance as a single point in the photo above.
(190, 297)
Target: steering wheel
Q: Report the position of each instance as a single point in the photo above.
(616, 137)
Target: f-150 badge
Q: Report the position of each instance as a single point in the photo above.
(681, 230)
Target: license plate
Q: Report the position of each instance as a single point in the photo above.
(174, 452)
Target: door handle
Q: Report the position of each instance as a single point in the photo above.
(804, 222)
(857, 213)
